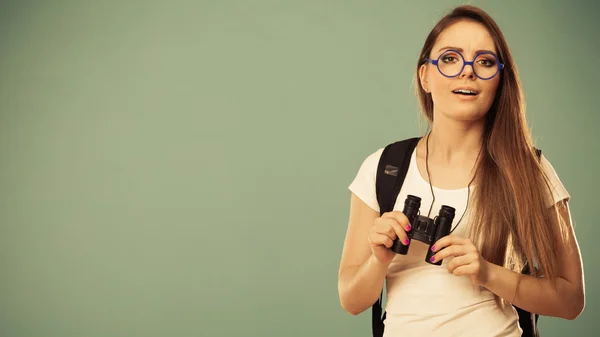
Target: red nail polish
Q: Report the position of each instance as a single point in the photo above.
(432, 259)
(433, 249)
(408, 228)
(406, 241)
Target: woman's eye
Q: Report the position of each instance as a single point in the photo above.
(487, 63)
(448, 59)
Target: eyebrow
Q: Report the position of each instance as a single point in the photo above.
(461, 50)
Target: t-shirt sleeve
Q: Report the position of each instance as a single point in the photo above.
(363, 184)
(559, 192)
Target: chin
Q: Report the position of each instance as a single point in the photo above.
(466, 114)
(462, 110)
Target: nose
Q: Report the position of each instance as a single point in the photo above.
(467, 71)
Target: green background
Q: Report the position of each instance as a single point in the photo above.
(180, 168)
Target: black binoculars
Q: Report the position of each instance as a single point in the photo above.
(423, 228)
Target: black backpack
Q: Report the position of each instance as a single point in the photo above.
(391, 171)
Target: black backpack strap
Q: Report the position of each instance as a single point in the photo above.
(391, 171)
(392, 168)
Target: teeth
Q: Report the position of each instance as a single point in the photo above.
(464, 91)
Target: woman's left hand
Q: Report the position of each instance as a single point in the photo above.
(466, 258)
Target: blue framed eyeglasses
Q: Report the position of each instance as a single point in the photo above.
(451, 63)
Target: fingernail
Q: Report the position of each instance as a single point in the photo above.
(433, 249)
(432, 259)
(406, 241)
(408, 228)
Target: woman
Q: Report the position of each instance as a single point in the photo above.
(511, 207)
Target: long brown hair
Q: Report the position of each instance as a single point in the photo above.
(511, 221)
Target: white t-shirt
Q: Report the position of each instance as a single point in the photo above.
(425, 299)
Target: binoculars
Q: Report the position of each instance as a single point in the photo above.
(423, 228)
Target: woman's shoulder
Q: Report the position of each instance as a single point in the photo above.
(372, 158)
(368, 167)
(559, 191)
(363, 184)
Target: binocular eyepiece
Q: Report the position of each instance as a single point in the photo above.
(423, 228)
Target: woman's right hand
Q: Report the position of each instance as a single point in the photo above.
(384, 231)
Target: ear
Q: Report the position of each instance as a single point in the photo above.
(423, 77)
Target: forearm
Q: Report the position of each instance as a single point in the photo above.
(360, 286)
(536, 295)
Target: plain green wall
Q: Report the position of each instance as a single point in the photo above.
(180, 168)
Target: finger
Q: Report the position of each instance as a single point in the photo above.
(449, 240)
(460, 261)
(398, 230)
(465, 270)
(392, 228)
(385, 227)
(454, 251)
(400, 218)
(381, 240)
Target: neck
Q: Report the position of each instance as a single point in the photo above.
(455, 142)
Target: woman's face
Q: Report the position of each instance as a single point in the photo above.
(469, 38)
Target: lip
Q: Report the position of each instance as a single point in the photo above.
(466, 88)
(466, 97)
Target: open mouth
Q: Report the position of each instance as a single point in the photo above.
(465, 92)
